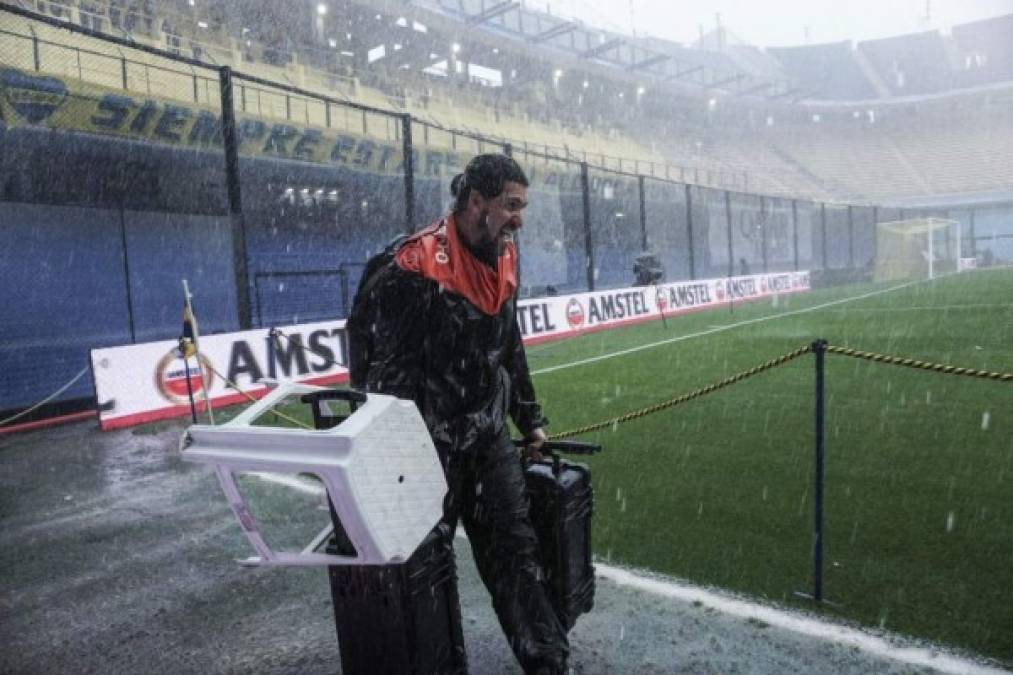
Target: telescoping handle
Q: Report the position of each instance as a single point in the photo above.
(322, 419)
(565, 447)
(553, 448)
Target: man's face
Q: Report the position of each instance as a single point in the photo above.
(500, 216)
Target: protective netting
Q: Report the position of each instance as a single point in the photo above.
(616, 233)
(710, 233)
(323, 190)
(668, 228)
(553, 256)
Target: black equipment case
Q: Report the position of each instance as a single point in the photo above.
(561, 505)
(393, 619)
(400, 619)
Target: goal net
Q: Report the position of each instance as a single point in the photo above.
(917, 248)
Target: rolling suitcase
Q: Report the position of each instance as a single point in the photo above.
(561, 503)
(399, 619)
(394, 619)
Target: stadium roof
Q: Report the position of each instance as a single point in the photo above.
(508, 24)
(719, 63)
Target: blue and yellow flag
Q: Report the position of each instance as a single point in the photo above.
(189, 331)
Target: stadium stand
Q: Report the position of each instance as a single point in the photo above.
(952, 146)
(719, 116)
(911, 64)
(829, 71)
(985, 49)
(577, 112)
(454, 109)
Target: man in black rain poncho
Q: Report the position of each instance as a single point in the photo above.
(437, 325)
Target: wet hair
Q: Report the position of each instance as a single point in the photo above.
(488, 174)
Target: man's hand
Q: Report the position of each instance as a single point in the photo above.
(533, 443)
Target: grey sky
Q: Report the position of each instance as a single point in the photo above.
(777, 22)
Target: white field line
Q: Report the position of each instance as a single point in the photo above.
(797, 623)
(784, 619)
(923, 308)
(719, 329)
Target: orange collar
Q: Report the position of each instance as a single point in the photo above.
(437, 253)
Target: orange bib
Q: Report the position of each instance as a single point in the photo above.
(437, 253)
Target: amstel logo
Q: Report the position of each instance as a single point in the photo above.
(574, 313)
(170, 376)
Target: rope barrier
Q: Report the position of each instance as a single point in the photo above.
(920, 365)
(697, 393)
(738, 377)
(253, 399)
(45, 400)
(278, 333)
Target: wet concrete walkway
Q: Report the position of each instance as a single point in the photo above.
(117, 557)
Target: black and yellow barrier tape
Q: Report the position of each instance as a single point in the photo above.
(253, 399)
(697, 393)
(920, 365)
(738, 377)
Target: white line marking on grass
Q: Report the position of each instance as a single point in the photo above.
(797, 623)
(923, 308)
(784, 619)
(791, 621)
(718, 329)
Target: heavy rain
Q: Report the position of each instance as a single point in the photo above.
(496, 337)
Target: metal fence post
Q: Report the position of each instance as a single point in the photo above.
(689, 231)
(231, 147)
(585, 184)
(37, 61)
(974, 237)
(823, 229)
(407, 151)
(126, 274)
(794, 231)
(643, 213)
(851, 237)
(819, 349)
(731, 252)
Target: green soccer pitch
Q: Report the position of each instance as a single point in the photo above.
(719, 491)
(918, 504)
